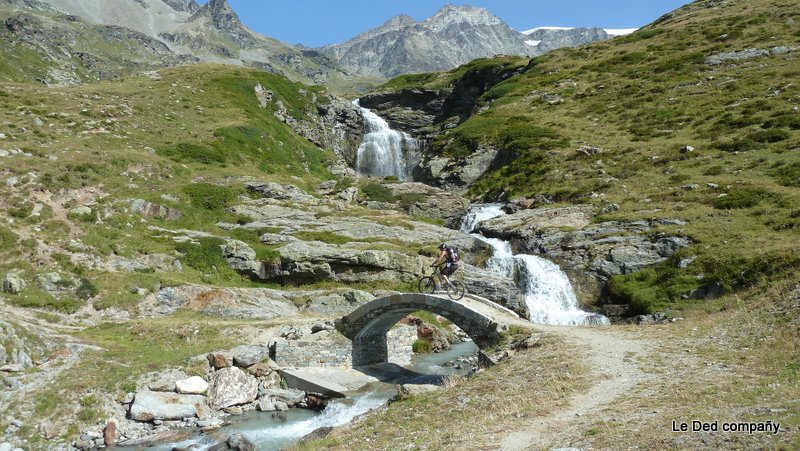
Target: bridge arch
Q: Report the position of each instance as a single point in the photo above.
(367, 325)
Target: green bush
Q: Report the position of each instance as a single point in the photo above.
(785, 121)
(714, 170)
(20, 212)
(769, 136)
(193, 153)
(421, 347)
(86, 289)
(203, 256)
(738, 145)
(740, 198)
(210, 197)
(8, 239)
(377, 192)
(788, 175)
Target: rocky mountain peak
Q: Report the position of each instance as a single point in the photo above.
(183, 5)
(400, 21)
(467, 15)
(220, 14)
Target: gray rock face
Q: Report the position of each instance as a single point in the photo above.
(50, 282)
(149, 406)
(244, 356)
(550, 39)
(152, 210)
(253, 303)
(419, 199)
(290, 396)
(242, 258)
(337, 125)
(237, 441)
(230, 387)
(156, 33)
(453, 36)
(746, 54)
(13, 283)
(318, 261)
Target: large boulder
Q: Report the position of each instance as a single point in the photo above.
(149, 406)
(272, 190)
(153, 210)
(194, 385)
(13, 283)
(230, 387)
(290, 396)
(242, 259)
(248, 355)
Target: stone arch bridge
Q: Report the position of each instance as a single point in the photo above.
(366, 326)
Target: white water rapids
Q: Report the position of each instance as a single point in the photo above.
(385, 152)
(548, 293)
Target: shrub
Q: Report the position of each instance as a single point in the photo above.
(421, 347)
(741, 198)
(20, 212)
(788, 175)
(786, 121)
(203, 256)
(737, 145)
(8, 238)
(377, 192)
(713, 170)
(193, 153)
(769, 136)
(86, 289)
(210, 197)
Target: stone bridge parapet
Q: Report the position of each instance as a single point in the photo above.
(367, 325)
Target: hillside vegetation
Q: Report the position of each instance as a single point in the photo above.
(693, 117)
(186, 138)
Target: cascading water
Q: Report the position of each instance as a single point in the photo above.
(548, 292)
(384, 151)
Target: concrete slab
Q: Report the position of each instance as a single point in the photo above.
(333, 382)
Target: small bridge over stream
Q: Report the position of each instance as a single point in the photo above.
(366, 326)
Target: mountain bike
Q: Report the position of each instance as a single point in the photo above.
(428, 284)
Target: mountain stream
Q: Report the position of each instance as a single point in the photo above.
(548, 293)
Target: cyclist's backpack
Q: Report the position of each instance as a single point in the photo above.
(453, 251)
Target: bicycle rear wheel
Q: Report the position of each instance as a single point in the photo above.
(456, 290)
(427, 285)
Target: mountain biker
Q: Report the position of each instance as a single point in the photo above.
(448, 256)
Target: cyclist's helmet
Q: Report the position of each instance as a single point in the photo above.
(442, 246)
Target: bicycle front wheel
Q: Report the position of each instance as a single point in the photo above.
(456, 290)
(427, 285)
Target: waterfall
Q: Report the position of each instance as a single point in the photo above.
(548, 293)
(385, 151)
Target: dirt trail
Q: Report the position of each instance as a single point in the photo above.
(612, 356)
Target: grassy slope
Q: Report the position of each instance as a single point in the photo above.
(179, 134)
(640, 99)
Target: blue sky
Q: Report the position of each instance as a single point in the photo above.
(319, 22)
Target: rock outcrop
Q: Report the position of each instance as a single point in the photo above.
(590, 253)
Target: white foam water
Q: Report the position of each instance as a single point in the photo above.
(385, 152)
(549, 295)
